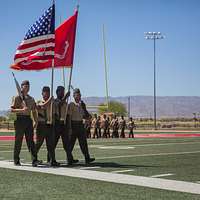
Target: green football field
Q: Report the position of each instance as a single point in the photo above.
(172, 159)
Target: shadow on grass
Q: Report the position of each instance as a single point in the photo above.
(95, 164)
(109, 165)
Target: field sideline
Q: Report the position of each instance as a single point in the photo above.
(140, 160)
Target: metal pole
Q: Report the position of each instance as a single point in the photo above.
(63, 76)
(154, 36)
(63, 69)
(129, 101)
(155, 127)
(70, 78)
(52, 71)
(71, 69)
(52, 75)
(105, 63)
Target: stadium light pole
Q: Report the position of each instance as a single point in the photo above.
(154, 36)
(129, 107)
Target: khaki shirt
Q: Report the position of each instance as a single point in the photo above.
(114, 124)
(44, 114)
(94, 123)
(88, 123)
(104, 123)
(131, 125)
(122, 123)
(75, 111)
(17, 103)
(60, 109)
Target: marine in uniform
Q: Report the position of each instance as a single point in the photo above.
(122, 125)
(95, 126)
(131, 126)
(45, 125)
(77, 112)
(87, 126)
(104, 126)
(61, 127)
(108, 126)
(99, 126)
(24, 105)
(115, 127)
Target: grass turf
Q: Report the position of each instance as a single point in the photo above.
(144, 160)
(36, 186)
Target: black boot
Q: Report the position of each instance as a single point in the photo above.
(55, 164)
(89, 160)
(73, 161)
(17, 163)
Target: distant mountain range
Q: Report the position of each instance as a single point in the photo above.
(142, 106)
(167, 106)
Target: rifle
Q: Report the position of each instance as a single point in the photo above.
(18, 89)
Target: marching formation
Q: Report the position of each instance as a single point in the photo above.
(45, 47)
(108, 127)
(53, 119)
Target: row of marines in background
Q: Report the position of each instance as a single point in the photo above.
(106, 127)
(53, 119)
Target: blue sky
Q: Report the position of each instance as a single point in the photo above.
(130, 56)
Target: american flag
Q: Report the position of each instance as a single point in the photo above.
(37, 48)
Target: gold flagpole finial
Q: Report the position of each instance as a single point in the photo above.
(78, 5)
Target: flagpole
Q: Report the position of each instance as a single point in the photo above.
(70, 77)
(63, 76)
(52, 77)
(53, 63)
(52, 70)
(71, 69)
(105, 63)
(63, 69)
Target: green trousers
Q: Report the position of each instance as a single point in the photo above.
(24, 126)
(45, 132)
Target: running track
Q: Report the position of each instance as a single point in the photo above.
(151, 135)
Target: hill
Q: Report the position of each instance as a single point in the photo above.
(167, 106)
(142, 106)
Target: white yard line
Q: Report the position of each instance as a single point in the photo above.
(139, 155)
(158, 183)
(85, 168)
(122, 171)
(161, 175)
(109, 146)
(26, 150)
(9, 161)
(165, 144)
(119, 147)
(144, 155)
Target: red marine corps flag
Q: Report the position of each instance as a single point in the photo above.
(65, 41)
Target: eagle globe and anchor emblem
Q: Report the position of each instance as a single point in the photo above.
(57, 56)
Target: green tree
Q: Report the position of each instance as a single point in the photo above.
(11, 116)
(114, 107)
(2, 118)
